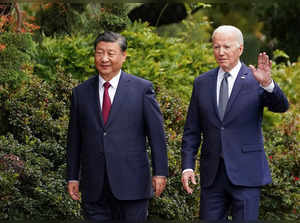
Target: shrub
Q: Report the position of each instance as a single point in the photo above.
(280, 200)
(37, 117)
(37, 192)
(73, 53)
(15, 55)
(175, 203)
(59, 17)
(170, 62)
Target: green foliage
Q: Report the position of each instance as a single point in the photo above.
(59, 17)
(37, 192)
(288, 78)
(280, 22)
(175, 203)
(14, 58)
(281, 199)
(73, 53)
(114, 16)
(37, 119)
(170, 62)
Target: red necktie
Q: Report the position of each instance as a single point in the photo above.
(106, 104)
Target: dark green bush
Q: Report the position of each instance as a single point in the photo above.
(281, 199)
(59, 17)
(37, 118)
(14, 59)
(38, 191)
(175, 203)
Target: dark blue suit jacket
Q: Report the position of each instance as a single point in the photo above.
(239, 134)
(120, 145)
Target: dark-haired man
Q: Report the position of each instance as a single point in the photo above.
(112, 114)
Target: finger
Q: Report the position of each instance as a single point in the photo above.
(153, 184)
(253, 69)
(260, 59)
(266, 60)
(186, 185)
(73, 190)
(193, 179)
(158, 190)
(75, 196)
(160, 186)
(270, 63)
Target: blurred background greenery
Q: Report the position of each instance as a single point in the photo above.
(168, 44)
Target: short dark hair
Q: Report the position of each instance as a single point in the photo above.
(112, 37)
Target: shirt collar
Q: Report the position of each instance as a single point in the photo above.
(233, 72)
(113, 82)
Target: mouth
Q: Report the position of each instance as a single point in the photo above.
(105, 66)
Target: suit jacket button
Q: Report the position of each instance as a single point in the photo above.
(222, 128)
(104, 133)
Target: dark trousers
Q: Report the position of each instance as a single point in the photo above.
(107, 208)
(221, 198)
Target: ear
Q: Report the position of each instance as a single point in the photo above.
(241, 48)
(124, 55)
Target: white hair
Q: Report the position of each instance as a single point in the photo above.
(229, 28)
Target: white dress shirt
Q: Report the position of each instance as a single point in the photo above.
(112, 90)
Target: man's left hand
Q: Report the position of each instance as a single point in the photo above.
(263, 72)
(159, 184)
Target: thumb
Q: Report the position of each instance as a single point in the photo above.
(252, 68)
(193, 179)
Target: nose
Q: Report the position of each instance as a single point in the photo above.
(104, 58)
(221, 51)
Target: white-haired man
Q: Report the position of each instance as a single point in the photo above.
(225, 114)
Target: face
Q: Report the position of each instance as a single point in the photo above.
(227, 50)
(109, 59)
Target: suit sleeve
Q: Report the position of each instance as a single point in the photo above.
(275, 101)
(192, 134)
(73, 142)
(155, 133)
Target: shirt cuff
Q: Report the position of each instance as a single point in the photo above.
(186, 170)
(73, 181)
(270, 87)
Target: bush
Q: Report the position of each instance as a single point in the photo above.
(36, 192)
(170, 62)
(281, 199)
(32, 151)
(175, 203)
(59, 17)
(73, 53)
(15, 54)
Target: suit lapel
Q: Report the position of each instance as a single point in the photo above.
(120, 96)
(95, 98)
(213, 86)
(238, 85)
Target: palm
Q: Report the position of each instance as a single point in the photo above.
(263, 71)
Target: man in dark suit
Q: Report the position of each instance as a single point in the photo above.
(112, 114)
(225, 115)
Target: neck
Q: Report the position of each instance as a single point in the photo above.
(108, 77)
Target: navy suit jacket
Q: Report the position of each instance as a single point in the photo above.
(119, 146)
(239, 135)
